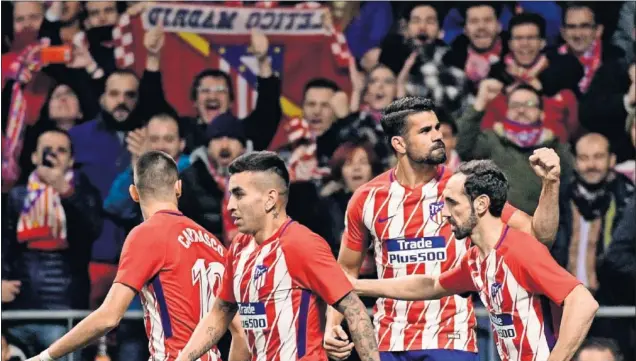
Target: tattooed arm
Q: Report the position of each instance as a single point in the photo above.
(209, 331)
(355, 313)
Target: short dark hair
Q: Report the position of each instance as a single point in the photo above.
(262, 161)
(464, 7)
(58, 131)
(483, 177)
(394, 115)
(155, 174)
(577, 5)
(528, 18)
(214, 73)
(123, 72)
(530, 88)
(439, 7)
(600, 343)
(320, 83)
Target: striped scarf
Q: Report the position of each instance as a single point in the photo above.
(13, 134)
(525, 75)
(591, 61)
(42, 222)
(124, 47)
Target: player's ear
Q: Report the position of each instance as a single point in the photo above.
(177, 188)
(270, 202)
(398, 144)
(481, 204)
(133, 193)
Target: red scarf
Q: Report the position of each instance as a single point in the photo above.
(523, 74)
(42, 222)
(591, 61)
(229, 228)
(523, 135)
(27, 62)
(478, 64)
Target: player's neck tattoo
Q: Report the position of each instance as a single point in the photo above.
(275, 214)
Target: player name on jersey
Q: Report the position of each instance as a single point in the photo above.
(253, 316)
(403, 251)
(189, 236)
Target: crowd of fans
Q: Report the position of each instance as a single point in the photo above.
(507, 78)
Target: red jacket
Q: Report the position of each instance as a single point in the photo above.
(561, 114)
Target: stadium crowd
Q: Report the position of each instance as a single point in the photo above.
(507, 78)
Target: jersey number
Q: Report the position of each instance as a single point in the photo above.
(210, 279)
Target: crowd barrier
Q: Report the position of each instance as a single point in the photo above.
(71, 315)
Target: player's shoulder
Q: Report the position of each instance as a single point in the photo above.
(382, 181)
(517, 245)
(296, 237)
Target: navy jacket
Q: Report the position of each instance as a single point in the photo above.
(57, 279)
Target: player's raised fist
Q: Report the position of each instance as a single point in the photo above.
(259, 45)
(546, 164)
(337, 343)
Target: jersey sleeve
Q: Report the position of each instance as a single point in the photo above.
(226, 291)
(507, 212)
(458, 279)
(538, 272)
(142, 257)
(354, 235)
(312, 265)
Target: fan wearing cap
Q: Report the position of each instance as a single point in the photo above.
(204, 195)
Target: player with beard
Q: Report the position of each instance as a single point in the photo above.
(399, 212)
(538, 310)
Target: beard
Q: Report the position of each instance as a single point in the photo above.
(435, 156)
(462, 231)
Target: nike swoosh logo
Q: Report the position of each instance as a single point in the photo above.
(382, 220)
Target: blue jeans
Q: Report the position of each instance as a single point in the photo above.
(38, 336)
(429, 355)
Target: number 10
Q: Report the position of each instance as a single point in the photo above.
(210, 279)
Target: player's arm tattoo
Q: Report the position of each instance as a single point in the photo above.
(355, 313)
(223, 313)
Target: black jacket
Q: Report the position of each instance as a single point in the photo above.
(622, 190)
(563, 72)
(201, 198)
(602, 108)
(58, 279)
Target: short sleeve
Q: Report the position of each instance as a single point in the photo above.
(458, 279)
(142, 257)
(354, 235)
(538, 272)
(507, 212)
(226, 291)
(313, 266)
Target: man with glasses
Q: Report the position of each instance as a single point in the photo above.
(582, 35)
(555, 75)
(512, 140)
(213, 94)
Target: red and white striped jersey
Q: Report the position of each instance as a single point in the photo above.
(410, 236)
(523, 289)
(177, 268)
(281, 287)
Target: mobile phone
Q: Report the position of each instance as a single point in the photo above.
(48, 151)
(56, 54)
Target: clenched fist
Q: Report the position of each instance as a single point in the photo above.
(259, 45)
(546, 164)
(488, 90)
